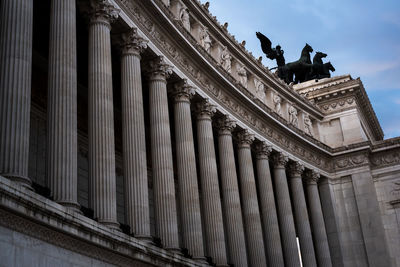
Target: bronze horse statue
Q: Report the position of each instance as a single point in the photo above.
(325, 70)
(300, 68)
(317, 66)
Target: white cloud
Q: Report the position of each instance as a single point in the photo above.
(372, 67)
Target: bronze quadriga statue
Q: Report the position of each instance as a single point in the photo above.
(298, 71)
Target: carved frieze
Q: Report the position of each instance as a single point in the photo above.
(387, 158)
(338, 104)
(351, 161)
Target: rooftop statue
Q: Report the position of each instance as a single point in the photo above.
(301, 70)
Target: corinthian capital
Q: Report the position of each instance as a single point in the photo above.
(183, 91)
(158, 69)
(225, 125)
(263, 150)
(132, 43)
(312, 177)
(205, 110)
(100, 11)
(280, 160)
(245, 138)
(295, 169)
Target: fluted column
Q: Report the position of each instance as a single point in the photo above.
(186, 168)
(15, 88)
(133, 136)
(161, 155)
(317, 220)
(101, 116)
(285, 214)
(251, 212)
(62, 146)
(301, 215)
(269, 216)
(230, 194)
(211, 200)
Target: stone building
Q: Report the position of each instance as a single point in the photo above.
(125, 140)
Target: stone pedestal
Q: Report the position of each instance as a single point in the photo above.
(62, 146)
(187, 174)
(15, 88)
(101, 116)
(317, 220)
(211, 199)
(230, 194)
(301, 215)
(133, 136)
(251, 212)
(272, 239)
(285, 214)
(161, 155)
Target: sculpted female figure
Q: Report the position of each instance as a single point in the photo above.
(205, 40)
(307, 125)
(260, 92)
(226, 59)
(184, 16)
(241, 72)
(277, 104)
(293, 116)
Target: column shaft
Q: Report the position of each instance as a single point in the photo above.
(161, 155)
(211, 200)
(269, 216)
(285, 214)
(301, 216)
(317, 221)
(230, 195)
(187, 174)
(15, 87)
(251, 212)
(62, 146)
(101, 122)
(133, 135)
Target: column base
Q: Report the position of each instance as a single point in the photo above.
(111, 224)
(21, 180)
(75, 207)
(174, 250)
(144, 238)
(201, 260)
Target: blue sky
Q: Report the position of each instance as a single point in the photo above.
(361, 38)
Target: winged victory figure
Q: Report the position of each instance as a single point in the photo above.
(273, 53)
